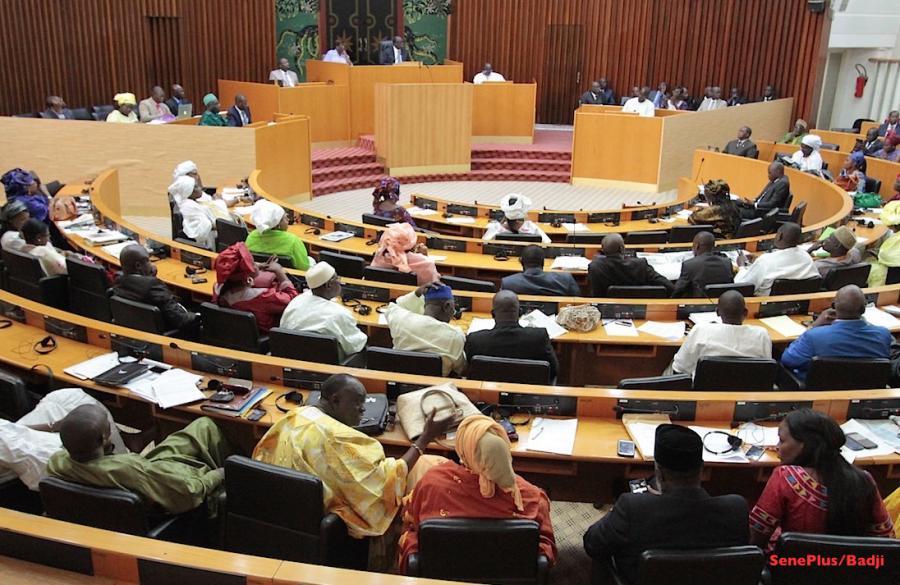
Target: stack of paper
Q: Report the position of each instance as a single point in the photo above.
(620, 328)
(93, 367)
(716, 442)
(176, 387)
(115, 250)
(757, 435)
(551, 435)
(672, 331)
(420, 212)
(875, 316)
(570, 263)
(82, 221)
(538, 319)
(336, 236)
(102, 237)
(854, 426)
(575, 228)
(705, 317)
(461, 219)
(784, 325)
(478, 324)
(642, 430)
(684, 213)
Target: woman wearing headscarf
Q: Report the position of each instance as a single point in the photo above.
(398, 249)
(515, 212)
(482, 485)
(889, 250)
(801, 129)
(722, 213)
(12, 218)
(124, 112)
(852, 176)
(896, 196)
(211, 116)
(240, 286)
(889, 151)
(384, 201)
(271, 235)
(198, 221)
(808, 157)
(20, 185)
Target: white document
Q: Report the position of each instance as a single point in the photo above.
(570, 263)
(93, 367)
(892, 309)
(82, 221)
(875, 316)
(704, 317)
(550, 435)
(460, 219)
(684, 213)
(757, 435)
(176, 387)
(478, 324)
(673, 331)
(643, 435)
(437, 258)
(620, 328)
(784, 325)
(338, 236)
(115, 250)
(717, 442)
(419, 212)
(104, 237)
(576, 228)
(382, 319)
(538, 319)
(855, 426)
(885, 431)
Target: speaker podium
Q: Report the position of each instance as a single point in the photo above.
(423, 128)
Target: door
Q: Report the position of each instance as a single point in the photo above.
(361, 25)
(563, 55)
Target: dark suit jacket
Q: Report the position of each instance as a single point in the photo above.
(153, 291)
(679, 519)
(386, 54)
(882, 130)
(49, 114)
(873, 148)
(607, 271)
(774, 194)
(748, 149)
(173, 104)
(234, 118)
(513, 341)
(535, 281)
(604, 98)
(701, 270)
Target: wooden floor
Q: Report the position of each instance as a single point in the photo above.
(16, 572)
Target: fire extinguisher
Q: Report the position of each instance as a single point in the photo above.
(862, 78)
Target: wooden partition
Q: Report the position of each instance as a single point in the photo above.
(503, 112)
(262, 98)
(284, 158)
(845, 140)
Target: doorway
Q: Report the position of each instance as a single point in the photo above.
(563, 56)
(361, 25)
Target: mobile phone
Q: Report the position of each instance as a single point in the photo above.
(510, 429)
(158, 369)
(625, 448)
(256, 414)
(755, 453)
(198, 280)
(860, 441)
(638, 486)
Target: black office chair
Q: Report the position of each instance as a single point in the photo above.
(389, 275)
(82, 114)
(514, 371)
(26, 278)
(344, 264)
(231, 329)
(28, 115)
(873, 185)
(735, 565)
(284, 261)
(787, 203)
(687, 233)
(15, 399)
(228, 233)
(829, 146)
(768, 221)
(140, 316)
(177, 223)
(87, 290)
(893, 275)
(799, 213)
(54, 187)
(532, 238)
(637, 292)
(794, 545)
(403, 362)
(735, 373)
(459, 283)
(791, 286)
(372, 219)
(101, 112)
(502, 552)
(749, 228)
(714, 291)
(310, 347)
(857, 274)
(646, 237)
(298, 529)
(671, 382)
(585, 238)
(839, 374)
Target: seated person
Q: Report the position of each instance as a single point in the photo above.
(27, 444)
(888, 252)
(57, 109)
(815, 490)
(852, 177)
(508, 339)
(713, 101)
(706, 267)
(774, 195)
(613, 268)
(889, 151)
(314, 311)
(891, 124)
(599, 94)
(487, 73)
(36, 235)
(420, 321)
(786, 260)
(337, 55)
(154, 107)
(808, 158)
(21, 185)
(211, 115)
(515, 212)
(896, 196)
(239, 286)
(742, 145)
(801, 129)
(730, 338)
(271, 235)
(361, 485)
(872, 143)
(398, 249)
(12, 218)
(187, 187)
(681, 517)
(178, 98)
(482, 485)
(660, 96)
(842, 250)
(392, 53)
(768, 95)
(239, 115)
(384, 202)
(722, 213)
(198, 220)
(534, 281)
(840, 332)
(124, 113)
(736, 98)
(283, 75)
(640, 104)
(138, 283)
(189, 168)
(178, 475)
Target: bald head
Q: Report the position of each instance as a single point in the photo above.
(612, 245)
(136, 260)
(506, 307)
(731, 308)
(158, 94)
(84, 433)
(849, 302)
(776, 171)
(788, 236)
(704, 243)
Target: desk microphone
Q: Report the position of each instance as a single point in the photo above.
(631, 410)
(699, 168)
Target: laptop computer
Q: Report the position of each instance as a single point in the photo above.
(185, 111)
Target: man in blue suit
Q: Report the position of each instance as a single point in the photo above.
(534, 281)
(239, 113)
(839, 332)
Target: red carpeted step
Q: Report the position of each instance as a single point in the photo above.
(334, 157)
(346, 184)
(521, 164)
(367, 142)
(480, 152)
(331, 173)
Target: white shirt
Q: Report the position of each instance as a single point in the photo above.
(412, 330)
(792, 263)
(198, 223)
(720, 339)
(641, 108)
(11, 240)
(481, 77)
(709, 104)
(52, 262)
(528, 227)
(332, 56)
(287, 78)
(813, 162)
(308, 312)
(398, 55)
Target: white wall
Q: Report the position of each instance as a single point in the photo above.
(846, 107)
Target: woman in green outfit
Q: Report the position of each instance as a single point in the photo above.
(271, 235)
(795, 136)
(211, 116)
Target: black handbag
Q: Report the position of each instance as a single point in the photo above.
(375, 418)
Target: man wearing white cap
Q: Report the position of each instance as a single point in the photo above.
(808, 157)
(315, 312)
(515, 210)
(198, 221)
(271, 235)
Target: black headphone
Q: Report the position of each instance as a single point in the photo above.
(313, 230)
(356, 305)
(501, 257)
(45, 345)
(292, 396)
(4, 323)
(734, 442)
(193, 270)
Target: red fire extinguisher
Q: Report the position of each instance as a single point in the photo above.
(862, 78)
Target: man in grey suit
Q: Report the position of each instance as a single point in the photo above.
(57, 110)
(534, 281)
(706, 267)
(393, 53)
(742, 145)
(154, 107)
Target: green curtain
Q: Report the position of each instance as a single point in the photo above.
(425, 29)
(297, 32)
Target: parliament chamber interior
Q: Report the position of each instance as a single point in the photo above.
(433, 291)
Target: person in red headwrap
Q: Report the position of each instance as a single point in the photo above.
(896, 196)
(240, 286)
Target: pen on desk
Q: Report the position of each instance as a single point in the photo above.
(537, 434)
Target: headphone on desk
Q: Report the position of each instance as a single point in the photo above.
(313, 230)
(734, 442)
(356, 306)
